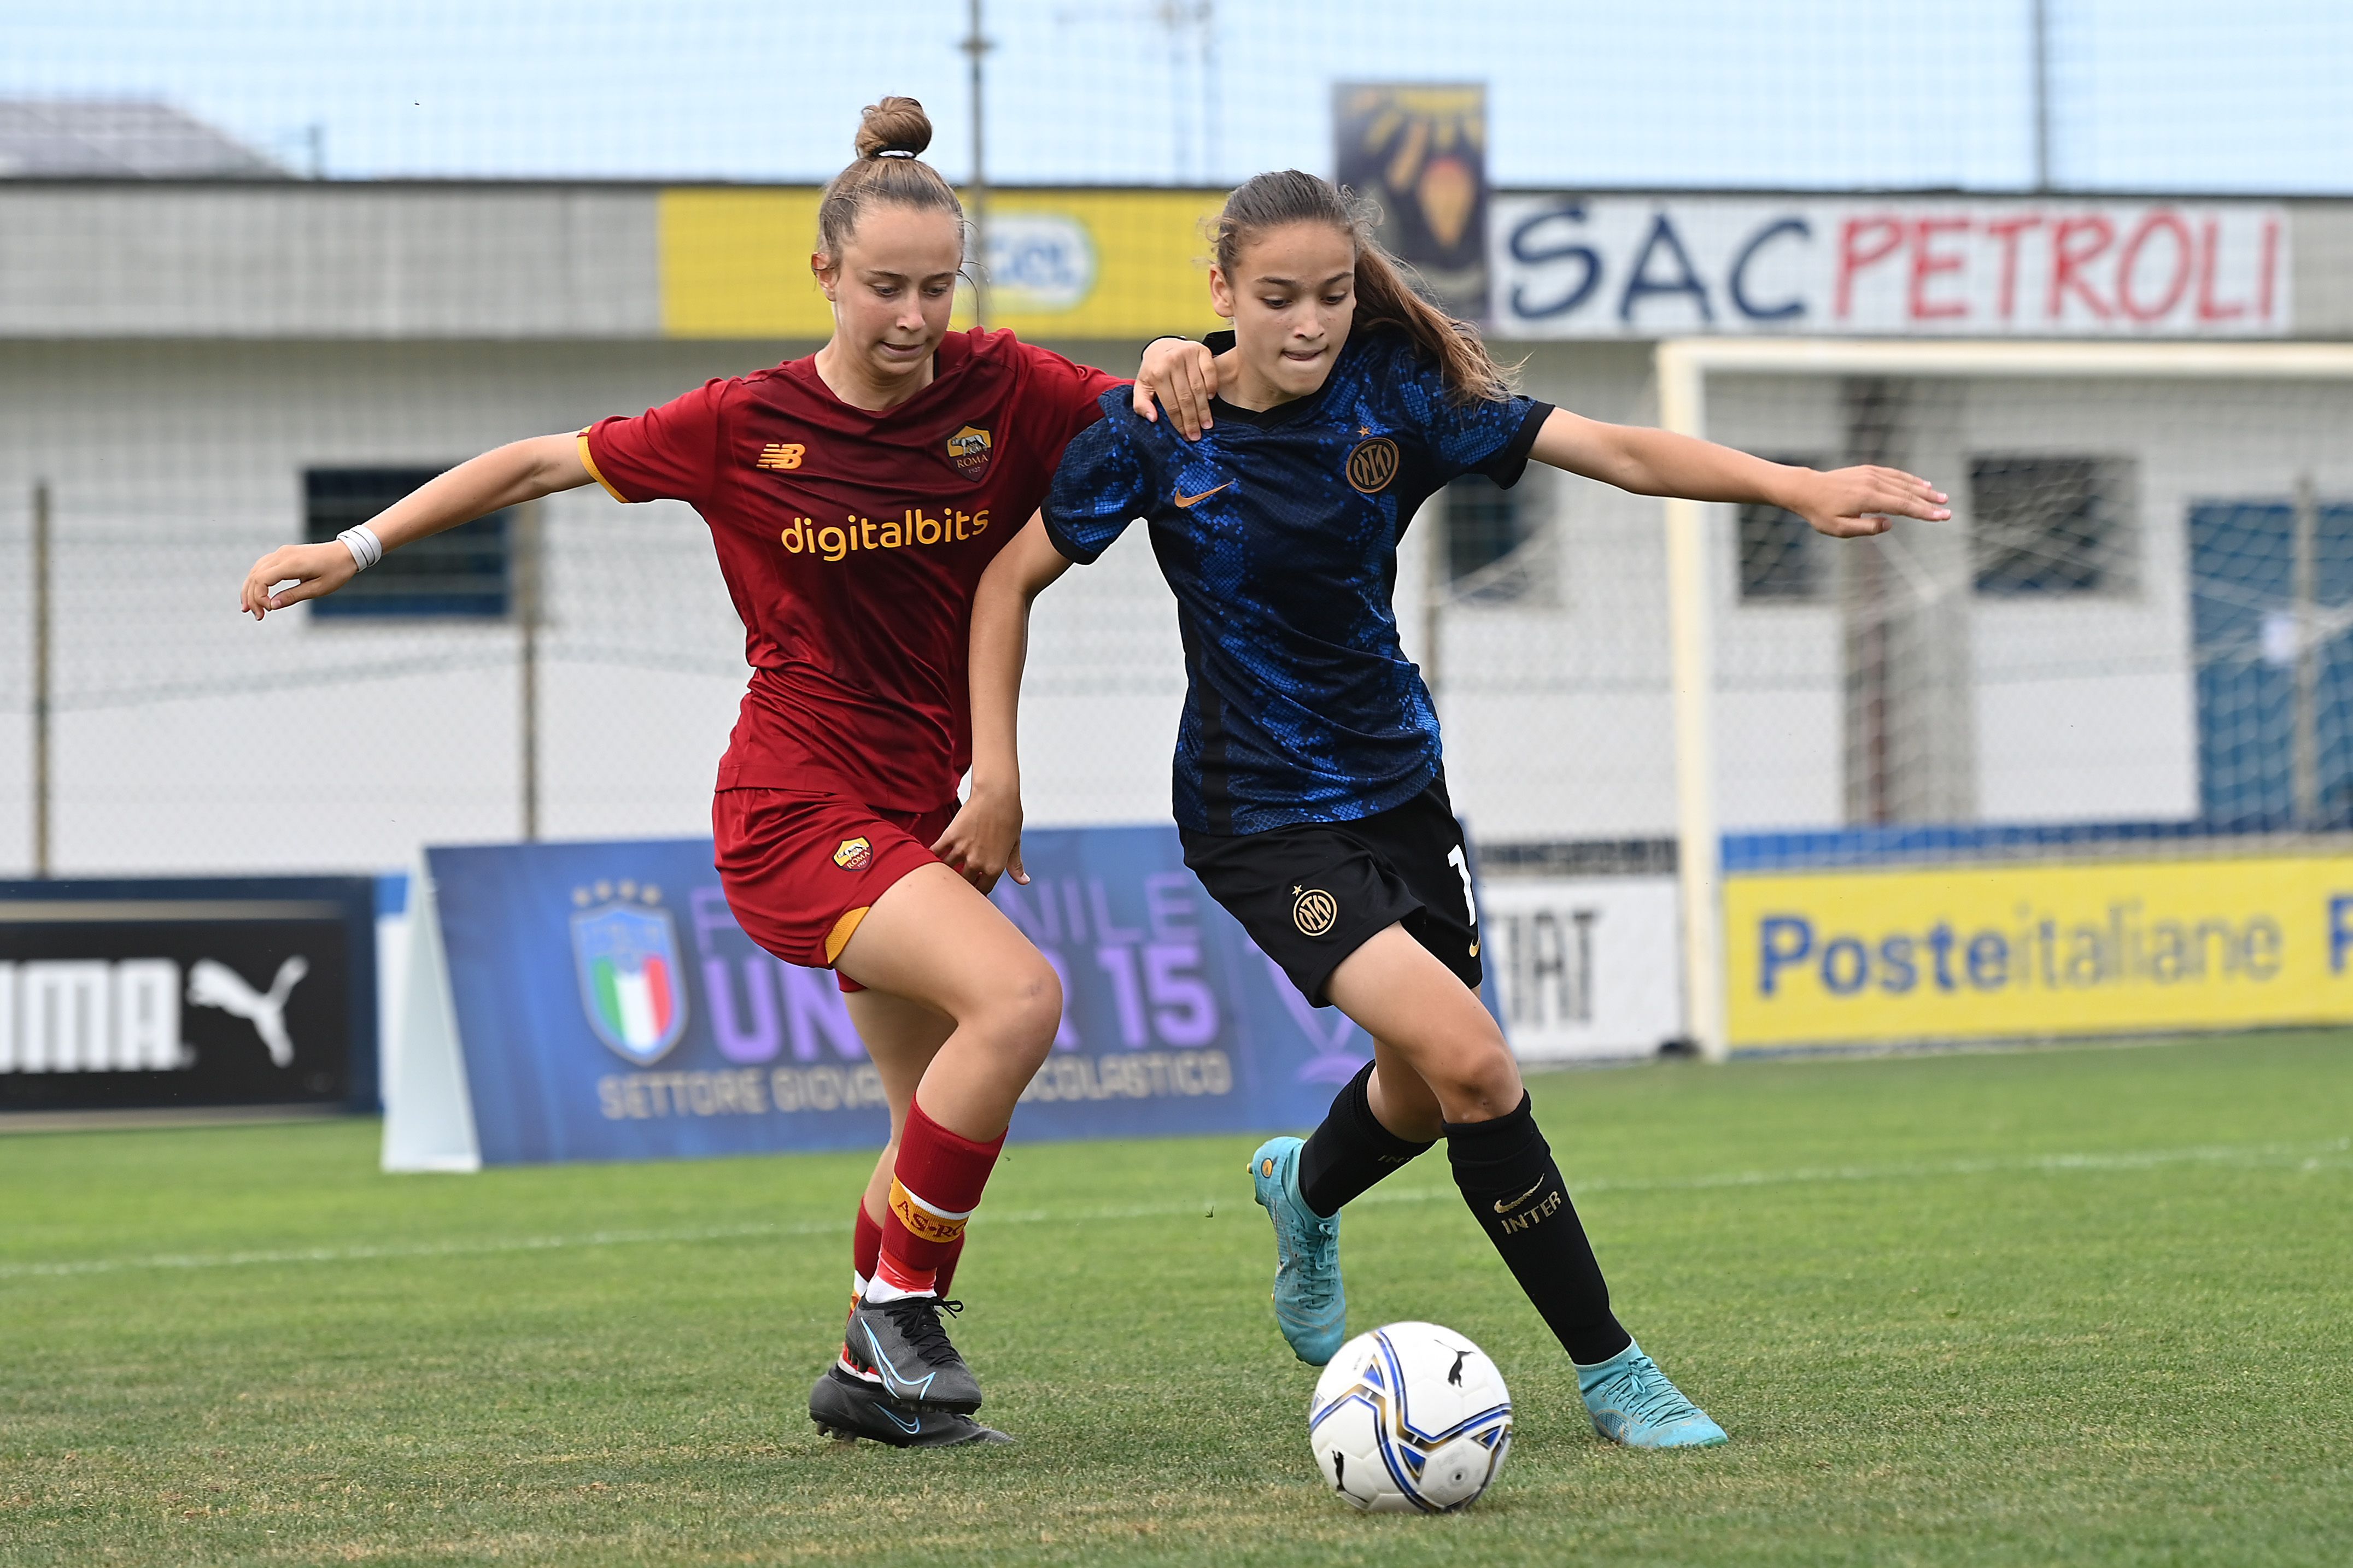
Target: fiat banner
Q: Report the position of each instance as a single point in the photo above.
(598, 1002)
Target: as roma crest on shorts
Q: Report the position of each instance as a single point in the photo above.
(855, 853)
(1373, 464)
(968, 449)
(625, 946)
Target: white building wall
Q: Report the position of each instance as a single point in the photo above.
(190, 739)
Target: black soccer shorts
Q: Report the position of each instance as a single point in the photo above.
(1310, 895)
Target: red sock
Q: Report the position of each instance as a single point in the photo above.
(865, 1243)
(946, 1276)
(934, 1187)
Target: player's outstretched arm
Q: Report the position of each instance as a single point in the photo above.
(985, 841)
(1183, 376)
(1844, 504)
(517, 472)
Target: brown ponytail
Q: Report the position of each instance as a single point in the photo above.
(890, 136)
(1385, 293)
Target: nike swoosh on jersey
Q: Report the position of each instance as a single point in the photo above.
(1506, 1206)
(1185, 501)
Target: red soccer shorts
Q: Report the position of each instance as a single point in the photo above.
(802, 869)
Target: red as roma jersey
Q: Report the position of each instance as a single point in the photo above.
(851, 542)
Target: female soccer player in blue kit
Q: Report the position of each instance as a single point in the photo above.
(1309, 789)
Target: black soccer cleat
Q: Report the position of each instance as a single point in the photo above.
(907, 1347)
(847, 1407)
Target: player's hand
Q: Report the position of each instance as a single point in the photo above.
(1183, 376)
(310, 572)
(983, 841)
(1853, 503)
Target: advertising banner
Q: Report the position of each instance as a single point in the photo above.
(1650, 266)
(148, 995)
(1061, 264)
(1420, 151)
(598, 1002)
(1583, 966)
(2028, 949)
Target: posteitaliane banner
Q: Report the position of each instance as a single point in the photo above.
(1669, 266)
(2032, 949)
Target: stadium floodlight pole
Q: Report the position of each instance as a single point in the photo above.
(1684, 365)
(2042, 95)
(40, 542)
(976, 46)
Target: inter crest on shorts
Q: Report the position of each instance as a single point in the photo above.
(1372, 464)
(625, 947)
(855, 853)
(1313, 911)
(968, 448)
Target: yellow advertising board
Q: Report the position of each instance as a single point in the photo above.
(1993, 951)
(1064, 264)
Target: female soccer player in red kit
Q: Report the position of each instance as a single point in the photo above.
(854, 498)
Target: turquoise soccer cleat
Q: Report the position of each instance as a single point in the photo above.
(1632, 1402)
(1310, 1307)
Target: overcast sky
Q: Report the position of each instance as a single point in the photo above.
(2248, 95)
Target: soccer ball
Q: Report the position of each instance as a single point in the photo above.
(1410, 1418)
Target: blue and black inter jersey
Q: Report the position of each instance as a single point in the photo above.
(1277, 531)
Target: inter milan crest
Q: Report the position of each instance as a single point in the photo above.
(1372, 465)
(1313, 911)
(626, 949)
(968, 448)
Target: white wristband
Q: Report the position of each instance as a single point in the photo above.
(366, 547)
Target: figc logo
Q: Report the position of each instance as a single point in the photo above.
(625, 946)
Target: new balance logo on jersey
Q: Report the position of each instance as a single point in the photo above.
(780, 455)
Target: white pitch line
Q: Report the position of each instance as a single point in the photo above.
(2250, 1156)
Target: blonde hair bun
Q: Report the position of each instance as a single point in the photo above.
(894, 125)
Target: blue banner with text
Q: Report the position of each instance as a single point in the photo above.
(608, 1007)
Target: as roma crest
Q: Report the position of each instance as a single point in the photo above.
(1372, 465)
(855, 853)
(631, 983)
(968, 449)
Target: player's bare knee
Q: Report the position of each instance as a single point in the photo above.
(1479, 1084)
(1024, 1010)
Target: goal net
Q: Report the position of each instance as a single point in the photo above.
(2130, 643)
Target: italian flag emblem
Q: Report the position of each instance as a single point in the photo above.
(627, 954)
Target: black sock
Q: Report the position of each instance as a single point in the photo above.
(1351, 1150)
(1506, 1170)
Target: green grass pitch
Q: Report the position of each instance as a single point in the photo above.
(2081, 1306)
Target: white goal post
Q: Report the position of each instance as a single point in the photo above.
(1683, 368)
